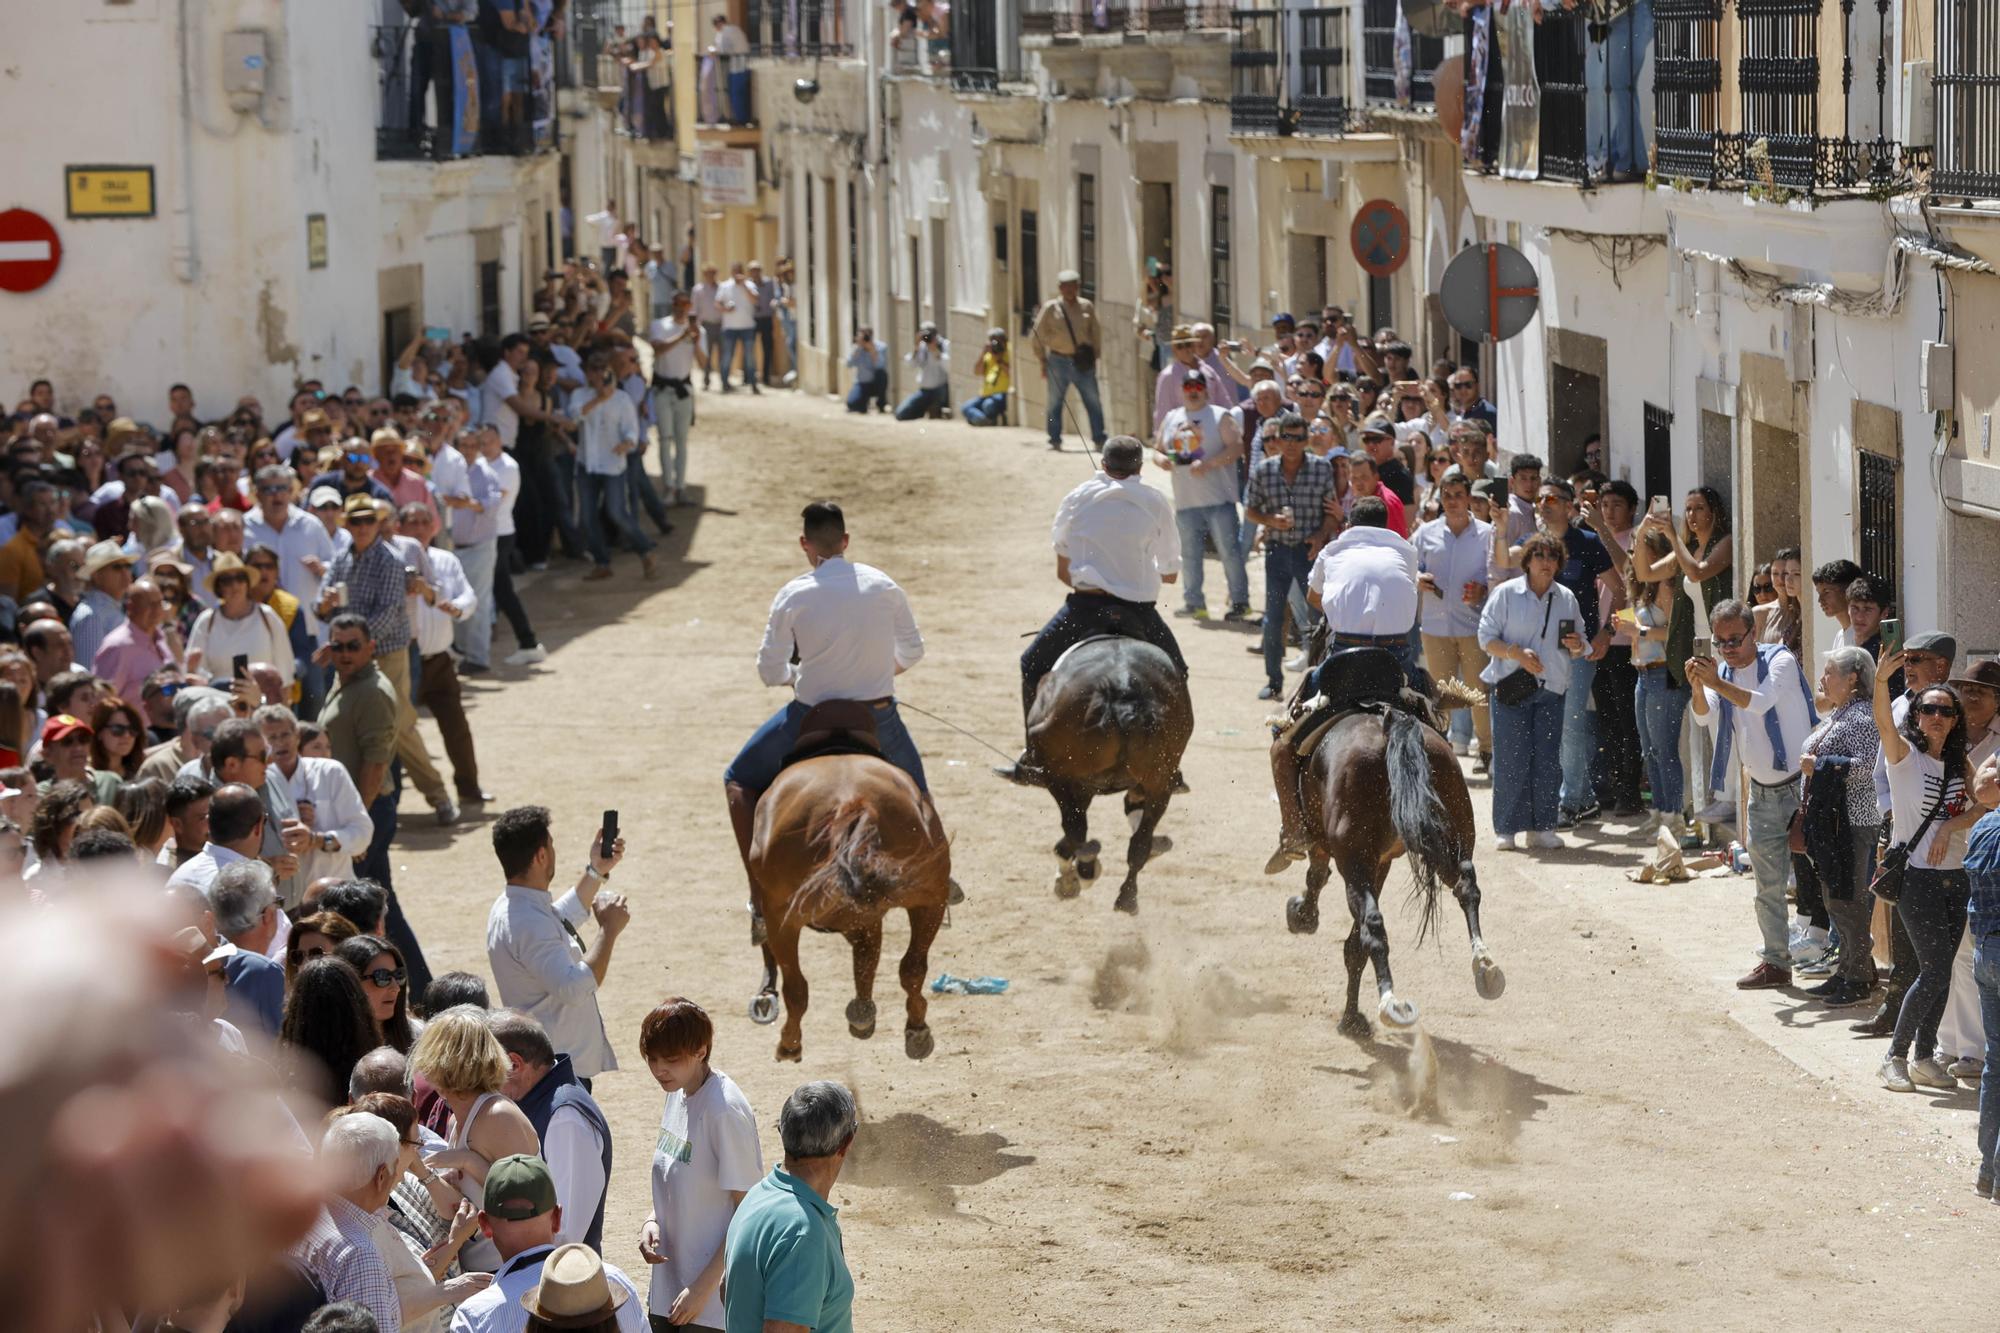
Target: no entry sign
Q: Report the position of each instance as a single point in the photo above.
(1380, 237)
(1489, 292)
(30, 250)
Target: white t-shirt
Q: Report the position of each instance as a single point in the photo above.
(741, 294)
(678, 362)
(1914, 784)
(501, 384)
(260, 636)
(510, 490)
(707, 1146)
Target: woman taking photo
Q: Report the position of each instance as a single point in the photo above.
(460, 1057)
(1698, 569)
(387, 983)
(117, 747)
(1528, 630)
(237, 626)
(1930, 786)
(1660, 698)
(328, 1027)
(706, 1160)
(1847, 732)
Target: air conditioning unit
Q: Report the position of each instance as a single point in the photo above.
(1935, 388)
(1918, 105)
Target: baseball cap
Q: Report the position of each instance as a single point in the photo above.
(1377, 424)
(61, 727)
(1935, 642)
(1282, 317)
(322, 496)
(518, 1188)
(1195, 382)
(537, 323)
(1068, 275)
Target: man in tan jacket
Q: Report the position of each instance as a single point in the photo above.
(1066, 343)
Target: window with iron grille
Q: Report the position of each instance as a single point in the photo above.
(1218, 259)
(1687, 87)
(1378, 56)
(1778, 74)
(489, 298)
(1876, 476)
(1659, 449)
(1031, 269)
(1086, 233)
(1967, 95)
(1322, 95)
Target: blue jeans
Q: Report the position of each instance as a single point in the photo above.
(738, 83)
(643, 495)
(790, 323)
(986, 410)
(1579, 736)
(1220, 522)
(614, 495)
(762, 757)
(1769, 812)
(1986, 976)
(1614, 72)
(1285, 568)
(1527, 768)
(874, 389)
(747, 340)
(473, 635)
(1660, 705)
(1063, 375)
(921, 402)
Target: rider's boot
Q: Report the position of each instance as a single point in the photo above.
(743, 820)
(1291, 834)
(1024, 771)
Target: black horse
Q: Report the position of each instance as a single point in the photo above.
(1112, 716)
(1381, 782)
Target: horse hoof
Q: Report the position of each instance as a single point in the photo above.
(918, 1043)
(764, 1009)
(1397, 1012)
(1128, 900)
(861, 1018)
(1086, 870)
(794, 1053)
(1162, 844)
(1352, 1024)
(1488, 978)
(1299, 918)
(1067, 884)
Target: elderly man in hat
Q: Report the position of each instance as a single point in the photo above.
(107, 576)
(932, 359)
(1187, 361)
(567, 1286)
(1067, 340)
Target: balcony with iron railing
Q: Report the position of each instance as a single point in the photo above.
(427, 107)
(1816, 84)
(1154, 44)
(797, 29)
(1390, 81)
(1289, 73)
(1044, 19)
(1967, 101)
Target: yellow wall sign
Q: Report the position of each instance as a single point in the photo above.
(110, 192)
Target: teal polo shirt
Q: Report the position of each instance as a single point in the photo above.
(786, 1261)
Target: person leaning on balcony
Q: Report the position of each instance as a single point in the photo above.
(994, 368)
(1066, 342)
(430, 65)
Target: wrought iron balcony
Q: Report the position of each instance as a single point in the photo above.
(1384, 82)
(1254, 74)
(1687, 88)
(1289, 73)
(797, 29)
(1967, 84)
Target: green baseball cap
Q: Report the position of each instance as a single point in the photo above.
(518, 1188)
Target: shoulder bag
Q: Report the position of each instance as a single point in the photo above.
(1519, 686)
(1084, 358)
(1888, 882)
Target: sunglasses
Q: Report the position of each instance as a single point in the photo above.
(383, 978)
(1762, 587)
(1937, 710)
(1290, 435)
(118, 729)
(1733, 642)
(352, 519)
(352, 646)
(1312, 393)
(265, 568)
(274, 490)
(307, 955)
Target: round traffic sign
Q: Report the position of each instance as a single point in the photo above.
(1489, 292)
(30, 250)
(1380, 237)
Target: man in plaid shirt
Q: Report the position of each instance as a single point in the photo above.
(360, 1154)
(377, 590)
(1292, 494)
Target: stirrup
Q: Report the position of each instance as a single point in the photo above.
(1284, 858)
(1022, 774)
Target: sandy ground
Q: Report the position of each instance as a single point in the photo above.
(1157, 1126)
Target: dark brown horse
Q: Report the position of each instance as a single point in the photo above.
(1381, 784)
(1112, 716)
(840, 841)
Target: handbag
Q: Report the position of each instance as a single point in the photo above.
(1084, 358)
(1888, 882)
(1517, 687)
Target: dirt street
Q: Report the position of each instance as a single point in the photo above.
(1157, 1126)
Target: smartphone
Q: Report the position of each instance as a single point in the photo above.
(1892, 635)
(1660, 507)
(437, 333)
(1704, 646)
(607, 837)
(1564, 628)
(239, 666)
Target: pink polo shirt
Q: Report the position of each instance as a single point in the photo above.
(408, 488)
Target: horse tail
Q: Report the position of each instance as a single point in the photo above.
(1418, 815)
(853, 868)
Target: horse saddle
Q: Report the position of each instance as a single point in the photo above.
(1353, 676)
(835, 726)
(1095, 638)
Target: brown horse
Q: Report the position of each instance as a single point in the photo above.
(1113, 715)
(1381, 784)
(840, 841)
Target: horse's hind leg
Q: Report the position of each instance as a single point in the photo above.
(784, 943)
(867, 943)
(1352, 1023)
(1077, 854)
(1139, 849)
(1374, 938)
(1487, 978)
(924, 921)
